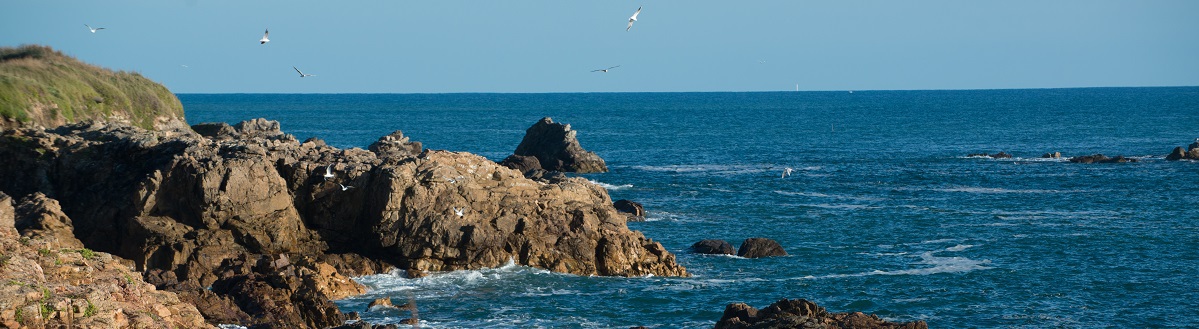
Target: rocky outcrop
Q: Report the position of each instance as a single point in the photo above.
(799, 313)
(633, 210)
(760, 247)
(713, 247)
(1191, 152)
(47, 286)
(395, 145)
(42, 218)
(1052, 155)
(1100, 158)
(186, 204)
(557, 149)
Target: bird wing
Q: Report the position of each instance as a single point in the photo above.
(298, 71)
(613, 67)
(635, 14)
(265, 34)
(99, 28)
(630, 24)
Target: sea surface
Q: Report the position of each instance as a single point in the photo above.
(884, 213)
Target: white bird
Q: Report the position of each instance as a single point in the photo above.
(605, 70)
(329, 172)
(302, 73)
(458, 211)
(633, 19)
(89, 27)
(786, 172)
(343, 187)
(264, 40)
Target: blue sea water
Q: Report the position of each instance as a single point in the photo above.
(883, 214)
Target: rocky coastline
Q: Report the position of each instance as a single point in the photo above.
(253, 227)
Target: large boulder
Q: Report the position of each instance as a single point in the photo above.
(713, 247)
(760, 247)
(1191, 152)
(40, 217)
(803, 314)
(634, 210)
(557, 149)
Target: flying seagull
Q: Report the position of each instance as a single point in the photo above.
(302, 73)
(264, 40)
(786, 172)
(329, 172)
(93, 29)
(343, 187)
(633, 19)
(458, 211)
(605, 70)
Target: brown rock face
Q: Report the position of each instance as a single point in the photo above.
(48, 286)
(41, 218)
(633, 210)
(802, 314)
(760, 247)
(192, 206)
(557, 149)
(395, 145)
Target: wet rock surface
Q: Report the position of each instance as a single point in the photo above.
(802, 314)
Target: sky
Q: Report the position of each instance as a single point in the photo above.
(200, 46)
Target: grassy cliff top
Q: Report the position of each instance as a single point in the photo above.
(39, 85)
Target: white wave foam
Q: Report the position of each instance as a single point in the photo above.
(938, 265)
(611, 187)
(996, 190)
(716, 169)
(959, 247)
(828, 196)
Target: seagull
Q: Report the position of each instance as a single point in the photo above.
(343, 187)
(786, 172)
(264, 40)
(328, 172)
(89, 27)
(302, 73)
(458, 211)
(605, 70)
(633, 19)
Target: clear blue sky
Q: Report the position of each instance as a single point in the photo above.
(550, 46)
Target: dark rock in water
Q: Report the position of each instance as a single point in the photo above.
(359, 324)
(557, 149)
(395, 145)
(1000, 155)
(634, 210)
(713, 247)
(1054, 155)
(760, 247)
(803, 314)
(1177, 154)
(1191, 152)
(1100, 158)
(215, 130)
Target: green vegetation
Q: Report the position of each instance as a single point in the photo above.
(20, 317)
(44, 252)
(85, 252)
(91, 309)
(41, 85)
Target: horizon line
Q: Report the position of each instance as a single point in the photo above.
(664, 92)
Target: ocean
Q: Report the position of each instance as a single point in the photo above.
(884, 213)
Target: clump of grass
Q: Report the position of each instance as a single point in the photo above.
(91, 309)
(44, 252)
(38, 83)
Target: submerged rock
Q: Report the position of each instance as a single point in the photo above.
(557, 149)
(760, 247)
(1000, 155)
(1100, 158)
(802, 314)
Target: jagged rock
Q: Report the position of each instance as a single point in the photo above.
(81, 288)
(713, 247)
(557, 149)
(395, 145)
(760, 247)
(206, 210)
(295, 295)
(1100, 158)
(802, 314)
(633, 210)
(1054, 155)
(215, 130)
(40, 217)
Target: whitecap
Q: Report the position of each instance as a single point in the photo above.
(610, 187)
(959, 247)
